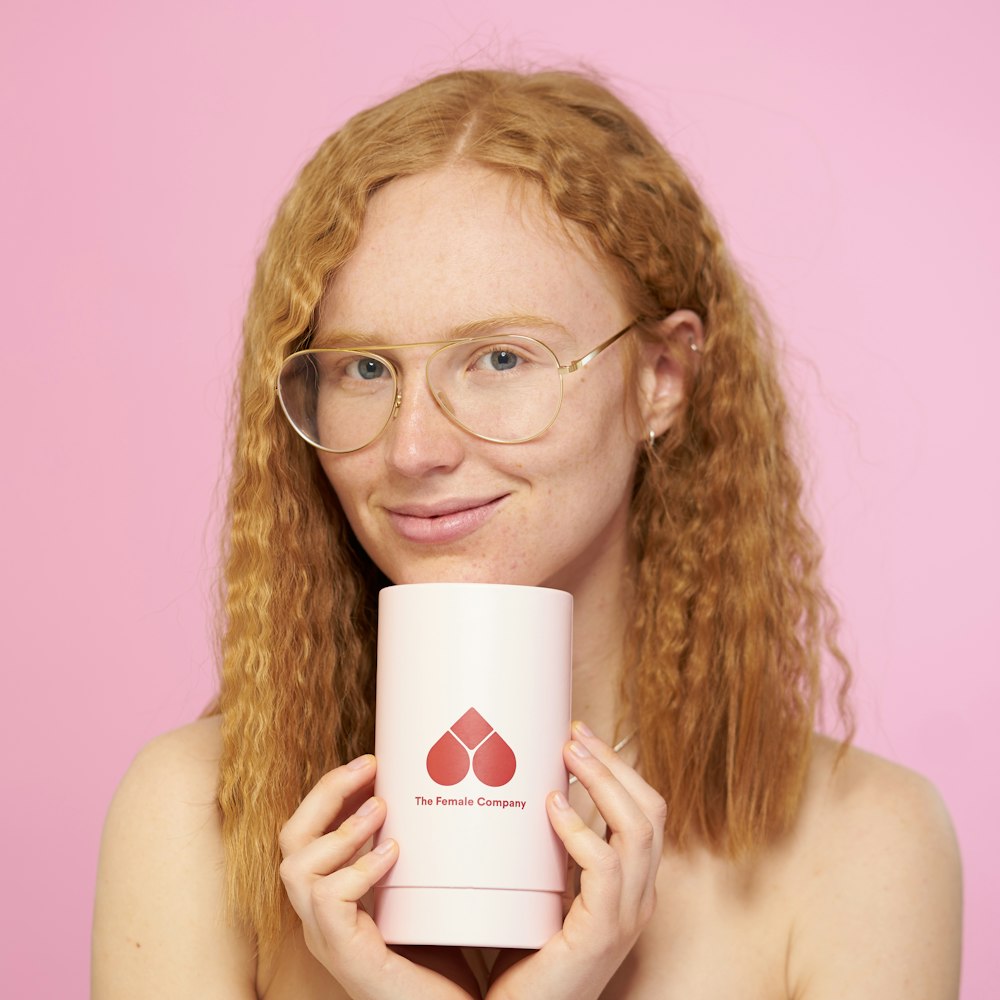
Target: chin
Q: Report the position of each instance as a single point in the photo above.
(465, 571)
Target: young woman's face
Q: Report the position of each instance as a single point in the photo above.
(429, 501)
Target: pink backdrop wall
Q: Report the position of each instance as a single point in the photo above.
(852, 155)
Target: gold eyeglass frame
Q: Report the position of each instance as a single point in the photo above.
(441, 345)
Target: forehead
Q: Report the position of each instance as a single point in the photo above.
(455, 246)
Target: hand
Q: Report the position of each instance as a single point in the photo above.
(326, 873)
(617, 881)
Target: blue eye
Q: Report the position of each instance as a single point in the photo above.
(503, 361)
(369, 368)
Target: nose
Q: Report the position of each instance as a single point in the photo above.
(420, 438)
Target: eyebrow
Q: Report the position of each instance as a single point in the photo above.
(478, 328)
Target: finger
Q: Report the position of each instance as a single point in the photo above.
(648, 798)
(633, 835)
(326, 854)
(340, 847)
(650, 801)
(324, 803)
(617, 806)
(360, 959)
(334, 898)
(600, 864)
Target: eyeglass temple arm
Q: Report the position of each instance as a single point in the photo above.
(568, 369)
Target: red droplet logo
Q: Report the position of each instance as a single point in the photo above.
(493, 763)
(448, 761)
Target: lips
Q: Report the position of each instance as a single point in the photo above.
(444, 520)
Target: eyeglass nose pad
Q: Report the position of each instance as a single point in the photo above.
(396, 404)
(442, 398)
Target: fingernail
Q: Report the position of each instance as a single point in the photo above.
(359, 762)
(368, 808)
(385, 846)
(579, 750)
(582, 728)
(560, 801)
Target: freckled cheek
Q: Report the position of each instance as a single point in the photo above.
(352, 493)
(348, 476)
(599, 411)
(602, 440)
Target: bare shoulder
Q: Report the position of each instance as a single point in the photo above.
(878, 883)
(189, 754)
(159, 921)
(857, 799)
(171, 784)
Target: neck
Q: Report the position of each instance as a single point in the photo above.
(600, 616)
(597, 665)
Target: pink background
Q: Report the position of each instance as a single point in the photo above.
(852, 155)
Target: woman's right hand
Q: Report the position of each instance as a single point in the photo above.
(325, 880)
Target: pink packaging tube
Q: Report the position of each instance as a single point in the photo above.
(472, 711)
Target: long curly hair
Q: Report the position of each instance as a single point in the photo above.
(730, 623)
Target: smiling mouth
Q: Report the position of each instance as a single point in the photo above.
(442, 522)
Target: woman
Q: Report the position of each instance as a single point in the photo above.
(724, 849)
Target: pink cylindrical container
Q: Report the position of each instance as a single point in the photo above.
(472, 711)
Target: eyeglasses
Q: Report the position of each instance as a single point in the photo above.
(505, 388)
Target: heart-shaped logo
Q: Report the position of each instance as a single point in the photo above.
(493, 761)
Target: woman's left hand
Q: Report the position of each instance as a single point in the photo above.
(617, 880)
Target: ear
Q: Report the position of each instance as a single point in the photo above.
(669, 358)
